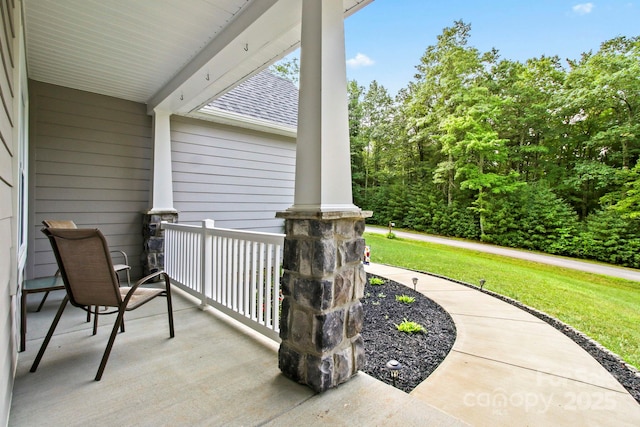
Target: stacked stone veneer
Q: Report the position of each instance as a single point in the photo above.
(322, 284)
(153, 239)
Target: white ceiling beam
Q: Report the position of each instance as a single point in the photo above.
(266, 29)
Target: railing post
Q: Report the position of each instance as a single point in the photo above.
(206, 253)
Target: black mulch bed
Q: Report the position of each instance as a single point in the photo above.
(419, 353)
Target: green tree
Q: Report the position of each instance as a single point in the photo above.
(628, 206)
(480, 153)
(359, 167)
(600, 105)
(533, 218)
(526, 120)
(288, 68)
(527, 154)
(371, 113)
(445, 72)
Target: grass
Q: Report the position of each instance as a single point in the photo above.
(605, 308)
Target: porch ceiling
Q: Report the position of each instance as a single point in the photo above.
(171, 54)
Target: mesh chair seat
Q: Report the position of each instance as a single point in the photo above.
(140, 296)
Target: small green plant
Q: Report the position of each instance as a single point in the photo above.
(410, 327)
(391, 235)
(375, 303)
(376, 281)
(381, 295)
(405, 299)
(367, 295)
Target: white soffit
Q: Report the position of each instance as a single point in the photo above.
(158, 51)
(122, 48)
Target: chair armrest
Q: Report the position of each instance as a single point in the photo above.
(122, 253)
(146, 279)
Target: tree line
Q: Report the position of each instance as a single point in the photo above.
(540, 155)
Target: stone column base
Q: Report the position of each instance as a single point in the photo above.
(153, 239)
(322, 284)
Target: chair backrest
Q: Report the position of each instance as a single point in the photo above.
(85, 265)
(59, 223)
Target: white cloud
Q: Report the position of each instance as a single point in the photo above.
(583, 8)
(360, 60)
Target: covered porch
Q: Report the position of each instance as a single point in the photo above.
(164, 137)
(98, 97)
(214, 372)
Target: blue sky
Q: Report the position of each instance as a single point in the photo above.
(385, 40)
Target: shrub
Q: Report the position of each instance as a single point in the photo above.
(376, 281)
(405, 299)
(532, 218)
(607, 237)
(410, 327)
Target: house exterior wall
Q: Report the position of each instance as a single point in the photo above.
(92, 164)
(239, 178)
(11, 71)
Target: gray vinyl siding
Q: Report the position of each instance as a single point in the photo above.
(8, 350)
(239, 178)
(92, 165)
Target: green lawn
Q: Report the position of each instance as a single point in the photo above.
(605, 308)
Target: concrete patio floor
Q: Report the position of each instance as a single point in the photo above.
(509, 368)
(214, 372)
(506, 368)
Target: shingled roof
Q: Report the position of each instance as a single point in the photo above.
(264, 96)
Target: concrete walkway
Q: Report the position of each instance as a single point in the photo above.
(509, 368)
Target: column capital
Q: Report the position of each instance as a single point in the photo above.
(324, 215)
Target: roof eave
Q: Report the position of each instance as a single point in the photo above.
(217, 115)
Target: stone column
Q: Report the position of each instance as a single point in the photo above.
(153, 239)
(323, 279)
(322, 284)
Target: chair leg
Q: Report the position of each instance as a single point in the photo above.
(95, 320)
(112, 338)
(44, 298)
(169, 308)
(52, 328)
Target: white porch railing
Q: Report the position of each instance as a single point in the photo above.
(234, 271)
